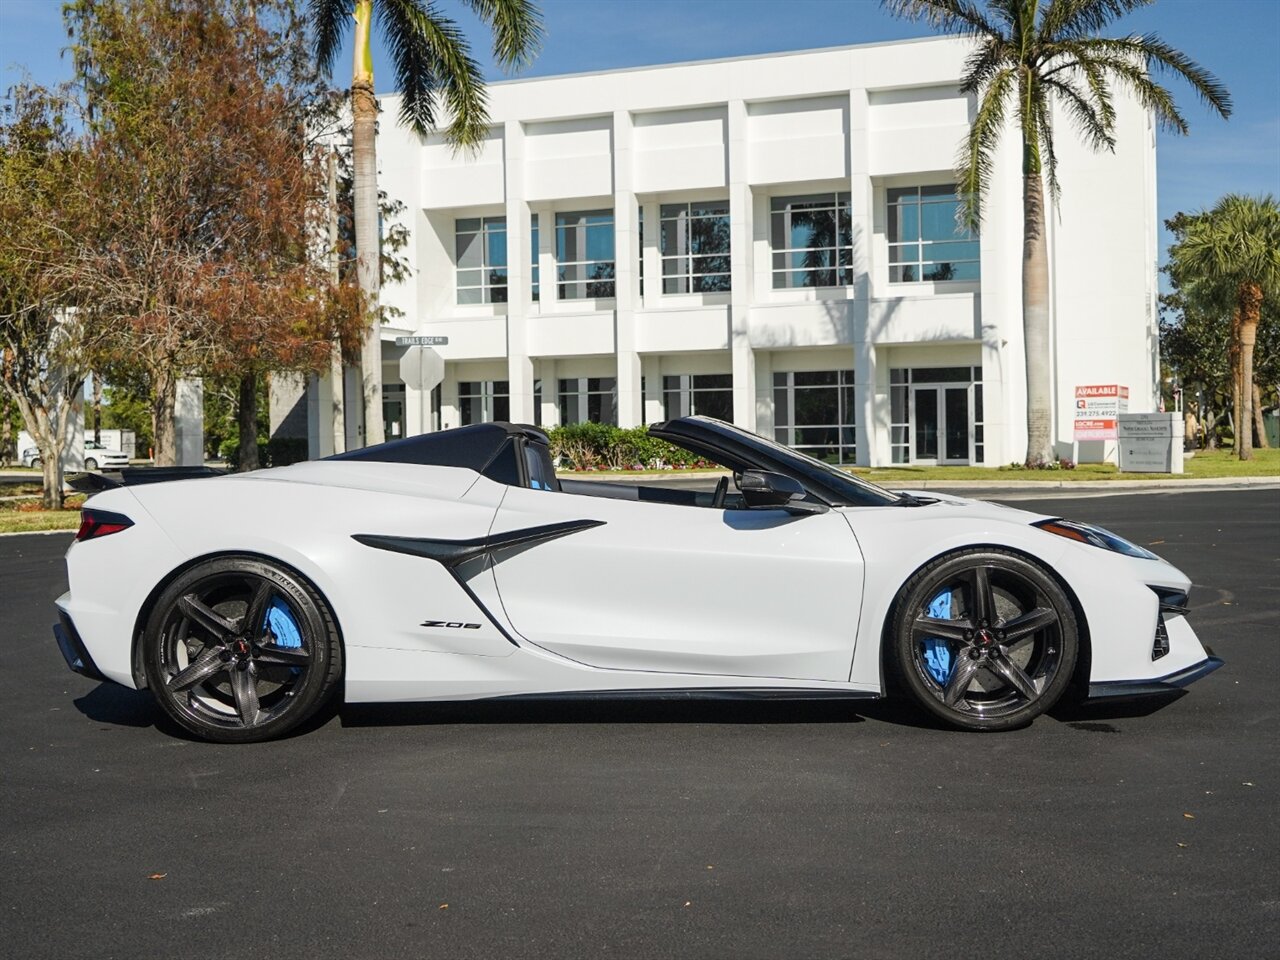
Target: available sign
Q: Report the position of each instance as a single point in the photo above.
(1097, 408)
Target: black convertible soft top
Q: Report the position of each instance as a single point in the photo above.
(500, 451)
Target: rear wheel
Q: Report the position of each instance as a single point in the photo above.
(238, 649)
(985, 640)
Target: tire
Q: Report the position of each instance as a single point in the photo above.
(984, 639)
(223, 680)
(90, 464)
(36, 463)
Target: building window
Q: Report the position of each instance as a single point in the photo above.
(699, 394)
(533, 247)
(481, 248)
(585, 254)
(588, 400)
(483, 401)
(815, 413)
(695, 247)
(812, 239)
(924, 240)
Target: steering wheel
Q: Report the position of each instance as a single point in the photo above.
(717, 498)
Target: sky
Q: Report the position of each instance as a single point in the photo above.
(1239, 40)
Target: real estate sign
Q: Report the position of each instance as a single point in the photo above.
(1098, 407)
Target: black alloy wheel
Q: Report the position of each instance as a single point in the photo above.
(984, 639)
(238, 649)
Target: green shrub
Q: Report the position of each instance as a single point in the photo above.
(601, 446)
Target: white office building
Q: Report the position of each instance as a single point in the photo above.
(769, 240)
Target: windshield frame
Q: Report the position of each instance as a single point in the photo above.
(741, 449)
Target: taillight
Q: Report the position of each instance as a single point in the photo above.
(100, 523)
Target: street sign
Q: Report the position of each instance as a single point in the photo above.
(422, 368)
(422, 341)
(1097, 407)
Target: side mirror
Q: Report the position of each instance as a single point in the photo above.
(762, 488)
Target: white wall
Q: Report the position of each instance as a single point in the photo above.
(858, 119)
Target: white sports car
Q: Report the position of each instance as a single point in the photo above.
(457, 566)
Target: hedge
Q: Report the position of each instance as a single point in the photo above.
(600, 446)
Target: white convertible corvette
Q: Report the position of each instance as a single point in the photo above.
(457, 566)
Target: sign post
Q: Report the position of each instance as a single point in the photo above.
(423, 366)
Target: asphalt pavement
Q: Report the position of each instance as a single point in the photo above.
(693, 829)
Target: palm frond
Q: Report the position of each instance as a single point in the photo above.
(1094, 125)
(977, 153)
(432, 58)
(1155, 55)
(1064, 19)
(954, 16)
(990, 56)
(330, 19)
(517, 29)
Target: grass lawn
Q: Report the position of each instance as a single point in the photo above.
(1209, 464)
(33, 521)
(25, 516)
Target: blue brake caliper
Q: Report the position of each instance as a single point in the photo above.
(937, 655)
(284, 629)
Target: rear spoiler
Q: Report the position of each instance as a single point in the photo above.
(133, 476)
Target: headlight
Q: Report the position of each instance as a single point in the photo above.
(1094, 536)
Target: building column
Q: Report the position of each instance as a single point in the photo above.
(627, 286)
(652, 254)
(651, 369)
(741, 270)
(871, 412)
(546, 372)
(519, 366)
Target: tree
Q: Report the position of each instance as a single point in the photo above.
(45, 329)
(1232, 253)
(1030, 56)
(432, 59)
(207, 196)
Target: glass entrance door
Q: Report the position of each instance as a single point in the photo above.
(940, 420)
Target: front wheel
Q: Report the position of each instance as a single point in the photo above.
(91, 464)
(984, 639)
(238, 649)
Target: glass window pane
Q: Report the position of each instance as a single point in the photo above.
(781, 408)
(469, 250)
(709, 236)
(496, 248)
(778, 231)
(712, 283)
(675, 284)
(938, 221)
(469, 225)
(818, 378)
(501, 408)
(470, 295)
(713, 381)
(714, 403)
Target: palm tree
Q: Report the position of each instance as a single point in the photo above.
(434, 68)
(1235, 247)
(1029, 56)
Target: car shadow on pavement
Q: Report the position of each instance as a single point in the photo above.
(112, 703)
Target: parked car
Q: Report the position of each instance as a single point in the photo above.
(99, 457)
(96, 457)
(456, 565)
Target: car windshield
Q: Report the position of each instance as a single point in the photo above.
(856, 491)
